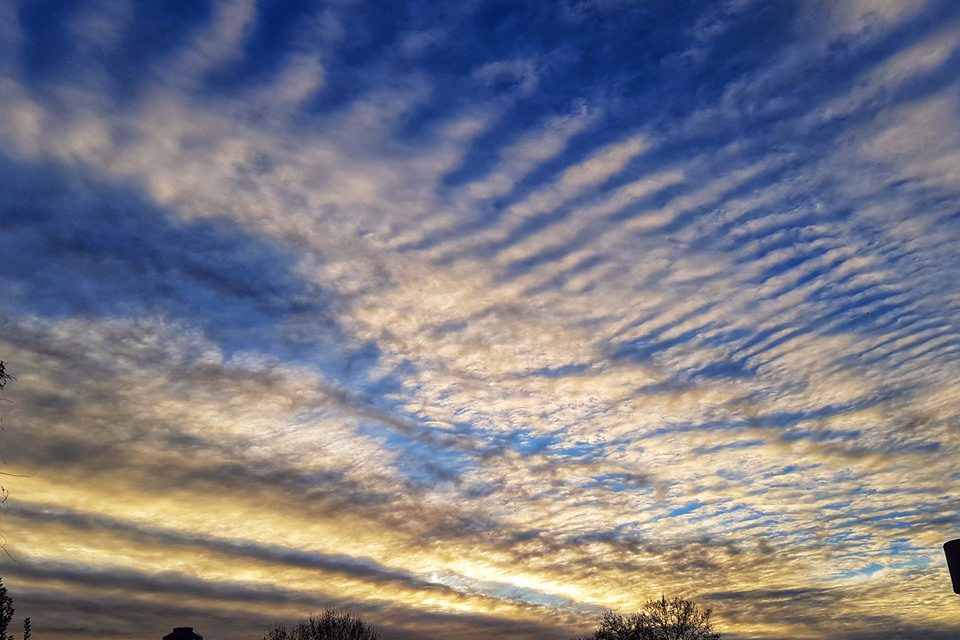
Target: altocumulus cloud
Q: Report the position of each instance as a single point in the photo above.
(480, 318)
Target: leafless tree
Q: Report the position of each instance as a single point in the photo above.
(4, 379)
(662, 619)
(4, 376)
(329, 625)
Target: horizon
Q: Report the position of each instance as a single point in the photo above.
(478, 319)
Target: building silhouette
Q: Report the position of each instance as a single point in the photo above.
(183, 633)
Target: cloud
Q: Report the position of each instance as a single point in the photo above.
(481, 321)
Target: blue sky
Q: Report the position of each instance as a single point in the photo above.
(480, 318)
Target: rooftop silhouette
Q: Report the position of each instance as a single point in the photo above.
(183, 633)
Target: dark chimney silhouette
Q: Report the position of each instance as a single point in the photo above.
(183, 633)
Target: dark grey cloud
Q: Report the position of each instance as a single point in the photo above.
(362, 568)
(90, 607)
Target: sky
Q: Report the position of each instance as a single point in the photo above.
(479, 318)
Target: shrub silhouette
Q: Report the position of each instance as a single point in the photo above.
(663, 619)
(329, 625)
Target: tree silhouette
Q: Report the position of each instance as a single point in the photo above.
(4, 379)
(329, 625)
(663, 619)
(26, 629)
(6, 612)
(4, 376)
